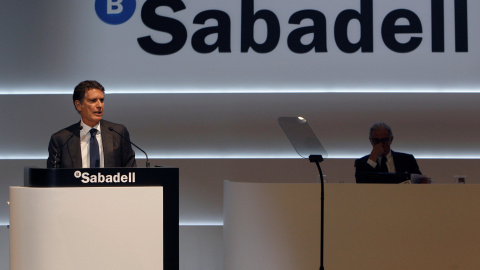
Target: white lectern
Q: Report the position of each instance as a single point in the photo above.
(116, 218)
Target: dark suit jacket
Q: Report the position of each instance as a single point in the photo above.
(404, 163)
(117, 151)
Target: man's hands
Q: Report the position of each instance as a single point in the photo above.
(376, 152)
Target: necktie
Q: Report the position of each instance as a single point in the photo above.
(94, 151)
(383, 164)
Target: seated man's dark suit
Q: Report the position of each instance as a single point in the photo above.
(117, 151)
(404, 163)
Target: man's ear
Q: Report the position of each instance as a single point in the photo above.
(78, 105)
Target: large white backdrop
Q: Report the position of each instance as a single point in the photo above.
(49, 46)
(214, 115)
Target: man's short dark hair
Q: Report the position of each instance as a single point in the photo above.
(380, 125)
(83, 87)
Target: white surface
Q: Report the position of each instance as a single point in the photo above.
(86, 228)
(201, 247)
(201, 180)
(265, 227)
(417, 227)
(51, 55)
(219, 126)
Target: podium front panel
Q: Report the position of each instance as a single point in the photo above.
(95, 227)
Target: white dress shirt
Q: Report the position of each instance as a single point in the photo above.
(85, 144)
(390, 163)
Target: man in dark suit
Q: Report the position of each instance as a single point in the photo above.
(92, 142)
(382, 159)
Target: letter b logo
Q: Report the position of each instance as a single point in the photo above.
(114, 7)
(115, 11)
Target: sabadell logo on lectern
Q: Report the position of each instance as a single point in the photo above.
(101, 178)
(401, 29)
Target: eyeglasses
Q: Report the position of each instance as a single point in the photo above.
(382, 140)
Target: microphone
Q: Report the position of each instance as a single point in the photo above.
(63, 145)
(147, 164)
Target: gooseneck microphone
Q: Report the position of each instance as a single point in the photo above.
(55, 163)
(147, 164)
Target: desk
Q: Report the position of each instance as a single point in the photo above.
(368, 226)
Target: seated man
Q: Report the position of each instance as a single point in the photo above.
(382, 160)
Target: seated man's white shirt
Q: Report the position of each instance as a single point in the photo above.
(390, 163)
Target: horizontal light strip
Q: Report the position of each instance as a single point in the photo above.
(219, 223)
(248, 90)
(417, 156)
(199, 223)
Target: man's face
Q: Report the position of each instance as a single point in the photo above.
(381, 136)
(91, 109)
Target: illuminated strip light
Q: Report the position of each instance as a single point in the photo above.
(201, 223)
(193, 223)
(188, 223)
(249, 90)
(256, 156)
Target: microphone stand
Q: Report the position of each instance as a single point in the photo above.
(55, 163)
(147, 163)
(317, 159)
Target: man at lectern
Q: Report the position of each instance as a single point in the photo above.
(383, 165)
(92, 142)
